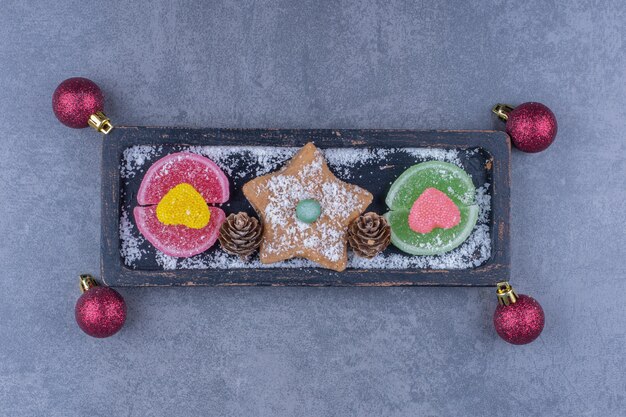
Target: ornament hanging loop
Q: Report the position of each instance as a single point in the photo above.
(502, 111)
(505, 293)
(87, 282)
(100, 122)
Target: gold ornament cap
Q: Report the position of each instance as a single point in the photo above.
(505, 293)
(502, 111)
(87, 282)
(100, 122)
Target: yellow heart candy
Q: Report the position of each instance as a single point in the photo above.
(183, 205)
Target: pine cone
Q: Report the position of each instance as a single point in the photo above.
(369, 235)
(241, 235)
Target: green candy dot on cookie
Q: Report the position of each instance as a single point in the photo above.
(455, 183)
(308, 210)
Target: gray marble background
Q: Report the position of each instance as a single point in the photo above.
(327, 351)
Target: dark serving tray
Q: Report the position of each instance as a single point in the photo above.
(483, 154)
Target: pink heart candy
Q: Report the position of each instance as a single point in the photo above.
(431, 210)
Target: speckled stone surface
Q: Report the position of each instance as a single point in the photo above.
(316, 352)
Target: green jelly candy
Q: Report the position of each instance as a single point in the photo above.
(308, 210)
(447, 178)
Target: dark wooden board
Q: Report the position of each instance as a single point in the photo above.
(492, 164)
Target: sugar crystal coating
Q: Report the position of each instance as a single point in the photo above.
(185, 206)
(431, 210)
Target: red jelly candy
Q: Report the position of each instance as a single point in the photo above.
(168, 172)
(178, 240)
(183, 167)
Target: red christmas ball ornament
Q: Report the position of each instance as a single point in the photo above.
(78, 102)
(100, 311)
(531, 126)
(518, 319)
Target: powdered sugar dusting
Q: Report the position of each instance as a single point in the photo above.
(130, 241)
(326, 236)
(222, 260)
(483, 199)
(166, 261)
(264, 159)
(241, 163)
(135, 157)
(345, 159)
(472, 253)
(437, 154)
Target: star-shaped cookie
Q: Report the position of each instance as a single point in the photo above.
(275, 197)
